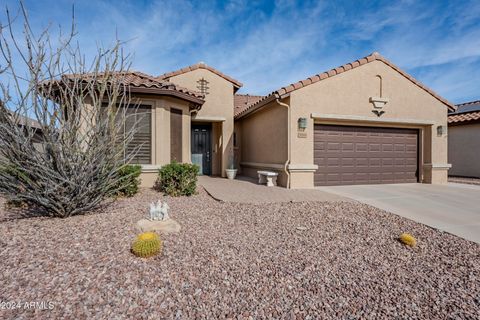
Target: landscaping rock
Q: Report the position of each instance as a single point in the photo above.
(238, 261)
(165, 226)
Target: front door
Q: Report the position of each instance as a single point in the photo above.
(202, 148)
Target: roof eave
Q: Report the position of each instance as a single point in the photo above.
(167, 92)
(273, 96)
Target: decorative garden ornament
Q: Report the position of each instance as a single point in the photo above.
(159, 211)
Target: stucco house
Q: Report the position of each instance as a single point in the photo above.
(361, 123)
(464, 140)
(31, 125)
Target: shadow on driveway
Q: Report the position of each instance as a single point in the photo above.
(246, 190)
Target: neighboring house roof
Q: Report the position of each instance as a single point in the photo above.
(23, 120)
(29, 122)
(466, 112)
(139, 82)
(285, 91)
(243, 101)
(237, 84)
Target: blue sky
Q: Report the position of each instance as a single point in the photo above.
(269, 44)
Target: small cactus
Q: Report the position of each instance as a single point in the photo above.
(408, 239)
(147, 245)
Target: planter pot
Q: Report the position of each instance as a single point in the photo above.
(231, 173)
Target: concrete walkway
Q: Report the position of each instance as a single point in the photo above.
(246, 190)
(454, 208)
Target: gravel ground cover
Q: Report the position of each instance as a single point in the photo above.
(466, 180)
(330, 260)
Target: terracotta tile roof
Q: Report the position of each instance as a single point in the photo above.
(243, 101)
(136, 79)
(464, 117)
(466, 112)
(200, 65)
(285, 91)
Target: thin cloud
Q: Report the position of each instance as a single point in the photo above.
(269, 44)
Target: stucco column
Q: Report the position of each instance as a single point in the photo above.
(435, 164)
(227, 144)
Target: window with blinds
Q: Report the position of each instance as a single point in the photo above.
(142, 139)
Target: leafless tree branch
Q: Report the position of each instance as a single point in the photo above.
(67, 160)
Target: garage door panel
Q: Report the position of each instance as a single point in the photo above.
(365, 155)
(347, 162)
(348, 147)
(333, 146)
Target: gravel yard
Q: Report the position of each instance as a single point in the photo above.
(334, 260)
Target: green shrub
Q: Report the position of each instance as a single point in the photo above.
(129, 181)
(177, 179)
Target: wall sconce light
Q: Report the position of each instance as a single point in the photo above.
(302, 123)
(441, 130)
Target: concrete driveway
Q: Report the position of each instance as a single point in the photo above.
(454, 208)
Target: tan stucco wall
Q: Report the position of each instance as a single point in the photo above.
(218, 108)
(217, 148)
(161, 133)
(464, 150)
(263, 141)
(347, 95)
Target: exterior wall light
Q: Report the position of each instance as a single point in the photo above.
(302, 123)
(441, 130)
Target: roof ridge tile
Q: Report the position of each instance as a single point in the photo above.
(201, 65)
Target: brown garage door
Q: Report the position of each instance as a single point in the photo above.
(365, 155)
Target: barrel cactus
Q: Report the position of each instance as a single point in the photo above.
(147, 245)
(408, 239)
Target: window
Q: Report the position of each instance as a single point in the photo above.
(142, 139)
(176, 135)
(141, 116)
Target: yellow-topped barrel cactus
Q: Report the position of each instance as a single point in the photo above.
(408, 239)
(147, 245)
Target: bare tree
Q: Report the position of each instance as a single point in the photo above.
(79, 110)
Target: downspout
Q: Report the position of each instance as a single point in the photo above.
(285, 167)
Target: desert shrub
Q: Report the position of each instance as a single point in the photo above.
(129, 180)
(408, 239)
(15, 204)
(147, 245)
(177, 179)
(14, 199)
(65, 161)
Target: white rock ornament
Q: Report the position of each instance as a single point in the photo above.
(159, 211)
(159, 219)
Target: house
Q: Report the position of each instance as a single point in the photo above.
(30, 125)
(361, 123)
(464, 140)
